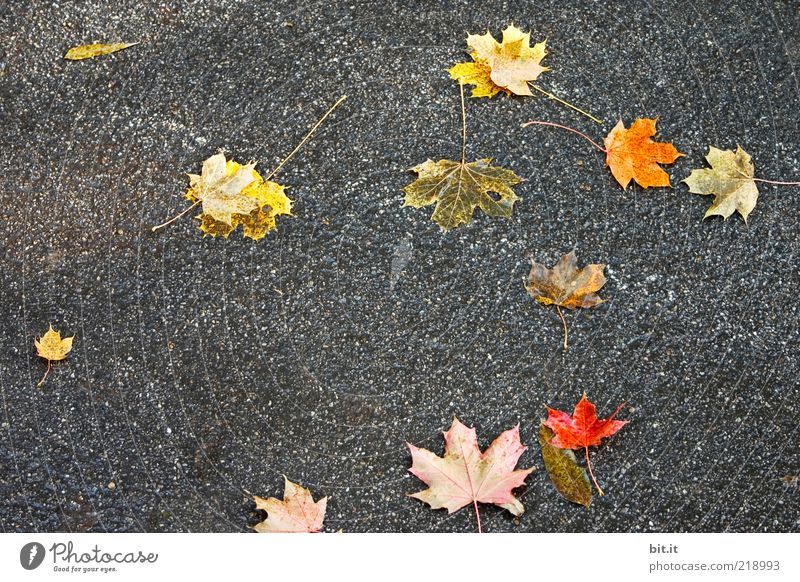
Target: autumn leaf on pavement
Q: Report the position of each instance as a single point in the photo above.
(582, 430)
(630, 153)
(457, 188)
(506, 66)
(466, 476)
(569, 479)
(565, 285)
(296, 513)
(509, 67)
(233, 194)
(730, 180)
(52, 347)
(87, 51)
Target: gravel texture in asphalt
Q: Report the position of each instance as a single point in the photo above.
(204, 369)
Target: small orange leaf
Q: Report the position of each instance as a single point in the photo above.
(632, 155)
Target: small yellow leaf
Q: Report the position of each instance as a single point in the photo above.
(729, 180)
(87, 51)
(52, 347)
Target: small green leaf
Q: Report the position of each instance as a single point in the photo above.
(569, 479)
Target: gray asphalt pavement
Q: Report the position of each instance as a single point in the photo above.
(205, 368)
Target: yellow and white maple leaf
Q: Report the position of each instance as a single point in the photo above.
(234, 194)
(508, 66)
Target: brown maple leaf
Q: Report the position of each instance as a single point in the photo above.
(565, 285)
(467, 476)
(632, 155)
(296, 513)
(583, 429)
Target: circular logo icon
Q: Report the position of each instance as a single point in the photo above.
(31, 555)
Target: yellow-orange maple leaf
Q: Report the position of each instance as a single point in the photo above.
(52, 347)
(632, 155)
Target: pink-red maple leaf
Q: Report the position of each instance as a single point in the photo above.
(583, 429)
(297, 513)
(467, 476)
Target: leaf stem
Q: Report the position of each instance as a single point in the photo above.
(583, 135)
(477, 514)
(563, 321)
(568, 104)
(463, 127)
(174, 218)
(306, 138)
(589, 464)
(46, 372)
(777, 182)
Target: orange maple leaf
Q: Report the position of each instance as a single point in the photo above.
(632, 155)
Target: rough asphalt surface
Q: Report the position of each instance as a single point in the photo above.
(204, 369)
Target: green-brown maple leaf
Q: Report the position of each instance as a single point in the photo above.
(457, 188)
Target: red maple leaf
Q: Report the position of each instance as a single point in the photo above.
(583, 429)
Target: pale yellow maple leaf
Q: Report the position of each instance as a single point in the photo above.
(729, 180)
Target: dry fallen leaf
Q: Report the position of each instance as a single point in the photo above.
(632, 155)
(569, 479)
(466, 476)
(52, 347)
(457, 188)
(730, 181)
(565, 285)
(232, 194)
(506, 66)
(583, 429)
(87, 51)
(297, 513)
